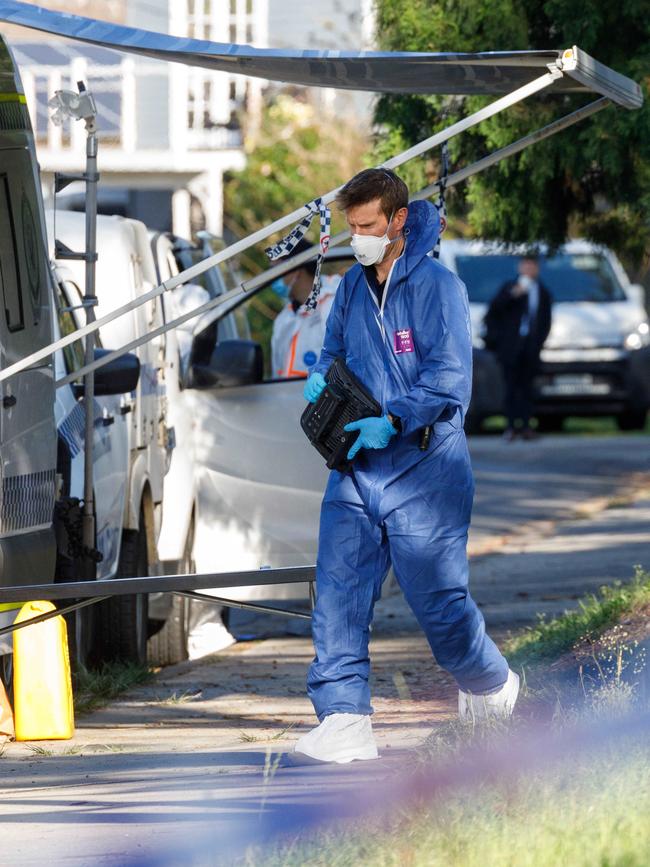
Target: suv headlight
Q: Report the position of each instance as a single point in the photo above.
(638, 338)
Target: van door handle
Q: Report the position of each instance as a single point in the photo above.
(8, 401)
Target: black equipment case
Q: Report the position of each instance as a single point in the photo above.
(343, 400)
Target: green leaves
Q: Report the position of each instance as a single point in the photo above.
(593, 179)
(293, 158)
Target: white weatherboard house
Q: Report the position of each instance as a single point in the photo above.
(167, 132)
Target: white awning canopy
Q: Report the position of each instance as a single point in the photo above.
(491, 72)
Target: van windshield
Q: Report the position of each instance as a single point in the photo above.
(567, 276)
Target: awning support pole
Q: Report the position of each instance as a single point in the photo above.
(204, 597)
(41, 618)
(244, 606)
(159, 584)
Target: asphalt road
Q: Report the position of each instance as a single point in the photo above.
(186, 769)
(549, 479)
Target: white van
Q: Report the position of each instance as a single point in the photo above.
(245, 486)
(596, 360)
(124, 271)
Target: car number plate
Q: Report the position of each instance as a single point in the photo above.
(574, 384)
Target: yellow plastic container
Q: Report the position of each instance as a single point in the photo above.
(43, 707)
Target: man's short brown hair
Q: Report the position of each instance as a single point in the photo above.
(382, 184)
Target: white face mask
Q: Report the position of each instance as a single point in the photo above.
(371, 249)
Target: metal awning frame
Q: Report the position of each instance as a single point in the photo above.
(590, 75)
(93, 592)
(231, 298)
(87, 593)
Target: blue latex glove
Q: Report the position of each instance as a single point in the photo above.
(314, 387)
(280, 288)
(375, 433)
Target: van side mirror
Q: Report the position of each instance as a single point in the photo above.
(232, 363)
(119, 376)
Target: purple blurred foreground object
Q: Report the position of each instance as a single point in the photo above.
(311, 799)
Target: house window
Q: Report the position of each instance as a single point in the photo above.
(212, 103)
(204, 18)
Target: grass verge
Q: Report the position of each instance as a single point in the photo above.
(589, 814)
(95, 688)
(549, 639)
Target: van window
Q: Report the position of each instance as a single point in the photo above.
(255, 318)
(569, 277)
(9, 276)
(73, 354)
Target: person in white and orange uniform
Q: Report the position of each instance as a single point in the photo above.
(298, 333)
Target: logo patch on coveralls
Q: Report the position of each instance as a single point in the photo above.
(403, 341)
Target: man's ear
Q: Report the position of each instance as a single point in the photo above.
(400, 219)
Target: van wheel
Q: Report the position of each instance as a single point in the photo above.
(121, 621)
(168, 645)
(632, 419)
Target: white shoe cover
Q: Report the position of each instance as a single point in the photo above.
(340, 738)
(498, 704)
(208, 638)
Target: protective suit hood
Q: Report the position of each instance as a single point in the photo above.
(421, 231)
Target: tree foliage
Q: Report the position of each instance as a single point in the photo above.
(592, 179)
(294, 157)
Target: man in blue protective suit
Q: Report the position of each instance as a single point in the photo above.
(401, 322)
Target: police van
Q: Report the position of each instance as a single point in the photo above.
(41, 440)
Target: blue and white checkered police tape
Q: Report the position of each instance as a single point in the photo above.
(287, 244)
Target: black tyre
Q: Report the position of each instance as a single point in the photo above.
(633, 419)
(168, 644)
(121, 622)
(550, 423)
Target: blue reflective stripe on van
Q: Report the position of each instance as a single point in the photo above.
(72, 428)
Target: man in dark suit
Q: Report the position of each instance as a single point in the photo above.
(517, 324)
